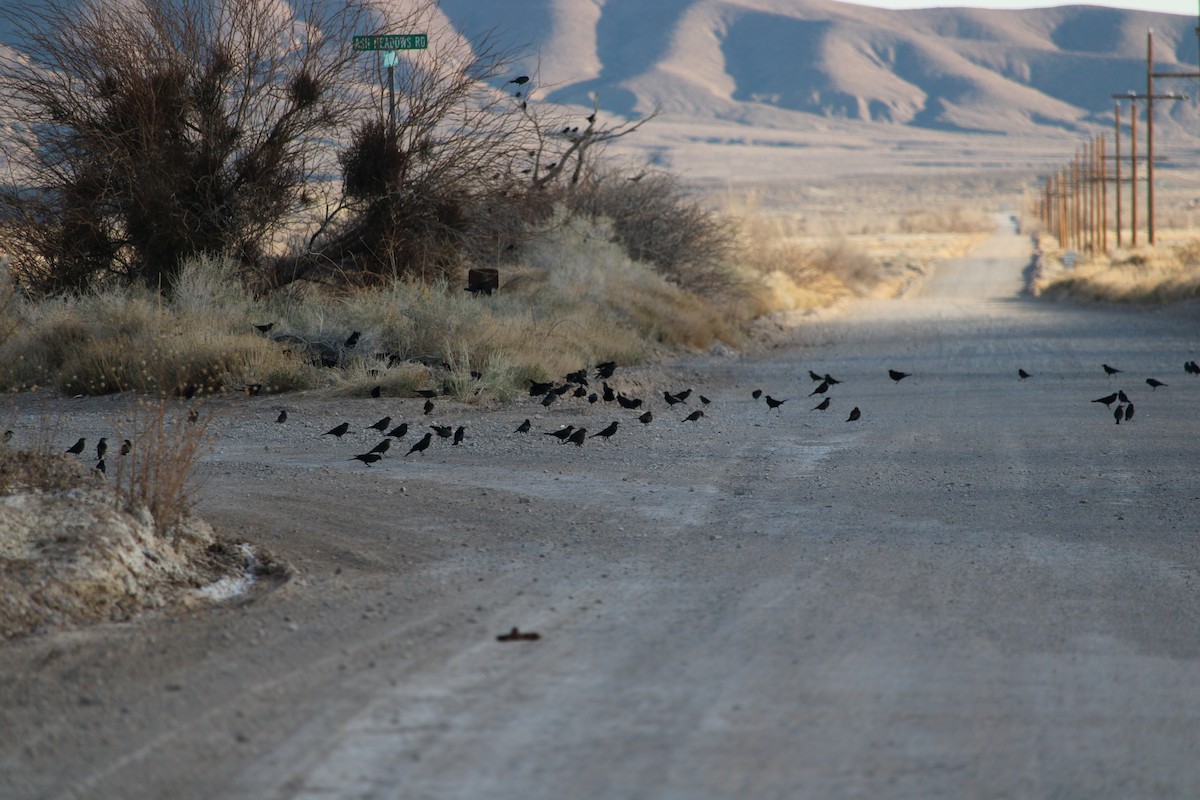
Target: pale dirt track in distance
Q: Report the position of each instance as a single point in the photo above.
(984, 588)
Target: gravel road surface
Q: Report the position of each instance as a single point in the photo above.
(984, 587)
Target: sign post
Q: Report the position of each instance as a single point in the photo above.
(390, 43)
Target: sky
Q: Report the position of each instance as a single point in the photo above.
(1188, 7)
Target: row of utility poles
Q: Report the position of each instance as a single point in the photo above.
(1074, 206)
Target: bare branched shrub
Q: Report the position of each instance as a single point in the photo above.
(154, 130)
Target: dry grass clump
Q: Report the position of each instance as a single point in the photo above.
(1166, 274)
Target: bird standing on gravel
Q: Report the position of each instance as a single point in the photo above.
(1154, 383)
(855, 415)
(523, 427)
(1110, 371)
(646, 418)
(444, 431)
(607, 432)
(1022, 374)
(459, 435)
(126, 447)
(101, 448)
(421, 446)
(1108, 400)
(428, 407)
(381, 425)
(773, 403)
(282, 418)
(1128, 412)
(382, 447)
(822, 389)
(562, 433)
(399, 432)
(339, 431)
(367, 458)
(824, 404)
(577, 437)
(77, 448)
(897, 375)
(695, 415)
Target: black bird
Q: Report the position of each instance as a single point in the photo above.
(1118, 412)
(459, 435)
(822, 389)
(265, 328)
(537, 389)
(578, 376)
(523, 427)
(382, 425)
(671, 399)
(628, 402)
(520, 80)
(399, 432)
(561, 390)
(101, 448)
(591, 117)
(1110, 370)
(593, 398)
(607, 432)
(1108, 400)
(126, 447)
(704, 400)
(444, 431)
(1154, 383)
(377, 391)
(646, 418)
(609, 394)
(605, 371)
(577, 437)
(684, 395)
(352, 339)
(1022, 374)
(562, 433)
(831, 380)
(580, 391)
(101, 467)
(897, 375)
(695, 415)
(548, 399)
(1121, 396)
(773, 403)
(1192, 367)
(824, 404)
(1129, 412)
(421, 446)
(428, 407)
(339, 431)
(382, 447)
(816, 378)
(757, 393)
(367, 458)
(282, 418)
(855, 415)
(77, 448)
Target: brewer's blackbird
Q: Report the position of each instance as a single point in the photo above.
(1121, 396)
(101, 448)
(671, 399)
(773, 403)
(593, 398)
(265, 327)
(897, 375)
(537, 389)
(1129, 412)
(516, 635)
(126, 447)
(382, 447)
(376, 391)
(684, 395)
(339, 431)
(577, 437)
(399, 432)
(523, 427)
(1110, 370)
(1022, 374)
(459, 435)
(381, 425)
(444, 431)
(646, 418)
(421, 446)
(367, 458)
(282, 418)
(580, 391)
(426, 393)
(607, 432)
(822, 389)
(609, 395)
(101, 467)
(704, 400)
(520, 80)
(605, 371)
(816, 378)
(855, 415)
(562, 433)
(831, 380)
(628, 402)
(757, 393)
(428, 407)
(1107, 400)
(1118, 412)
(77, 448)
(821, 406)
(352, 339)
(695, 415)
(1154, 383)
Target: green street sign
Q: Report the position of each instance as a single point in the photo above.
(395, 41)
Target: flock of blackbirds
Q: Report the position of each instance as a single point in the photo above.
(101, 450)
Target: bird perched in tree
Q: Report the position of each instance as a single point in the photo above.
(382, 447)
(367, 458)
(646, 418)
(101, 448)
(421, 446)
(562, 433)
(824, 404)
(444, 431)
(821, 389)
(1154, 383)
(520, 80)
(381, 425)
(607, 432)
(77, 448)
(1022, 374)
(352, 339)
(126, 447)
(265, 328)
(1108, 400)
(897, 375)
(428, 407)
(695, 415)
(1110, 371)
(577, 437)
(855, 415)
(282, 418)
(459, 435)
(399, 432)
(523, 427)
(773, 403)
(339, 431)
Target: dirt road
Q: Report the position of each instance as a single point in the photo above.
(982, 588)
